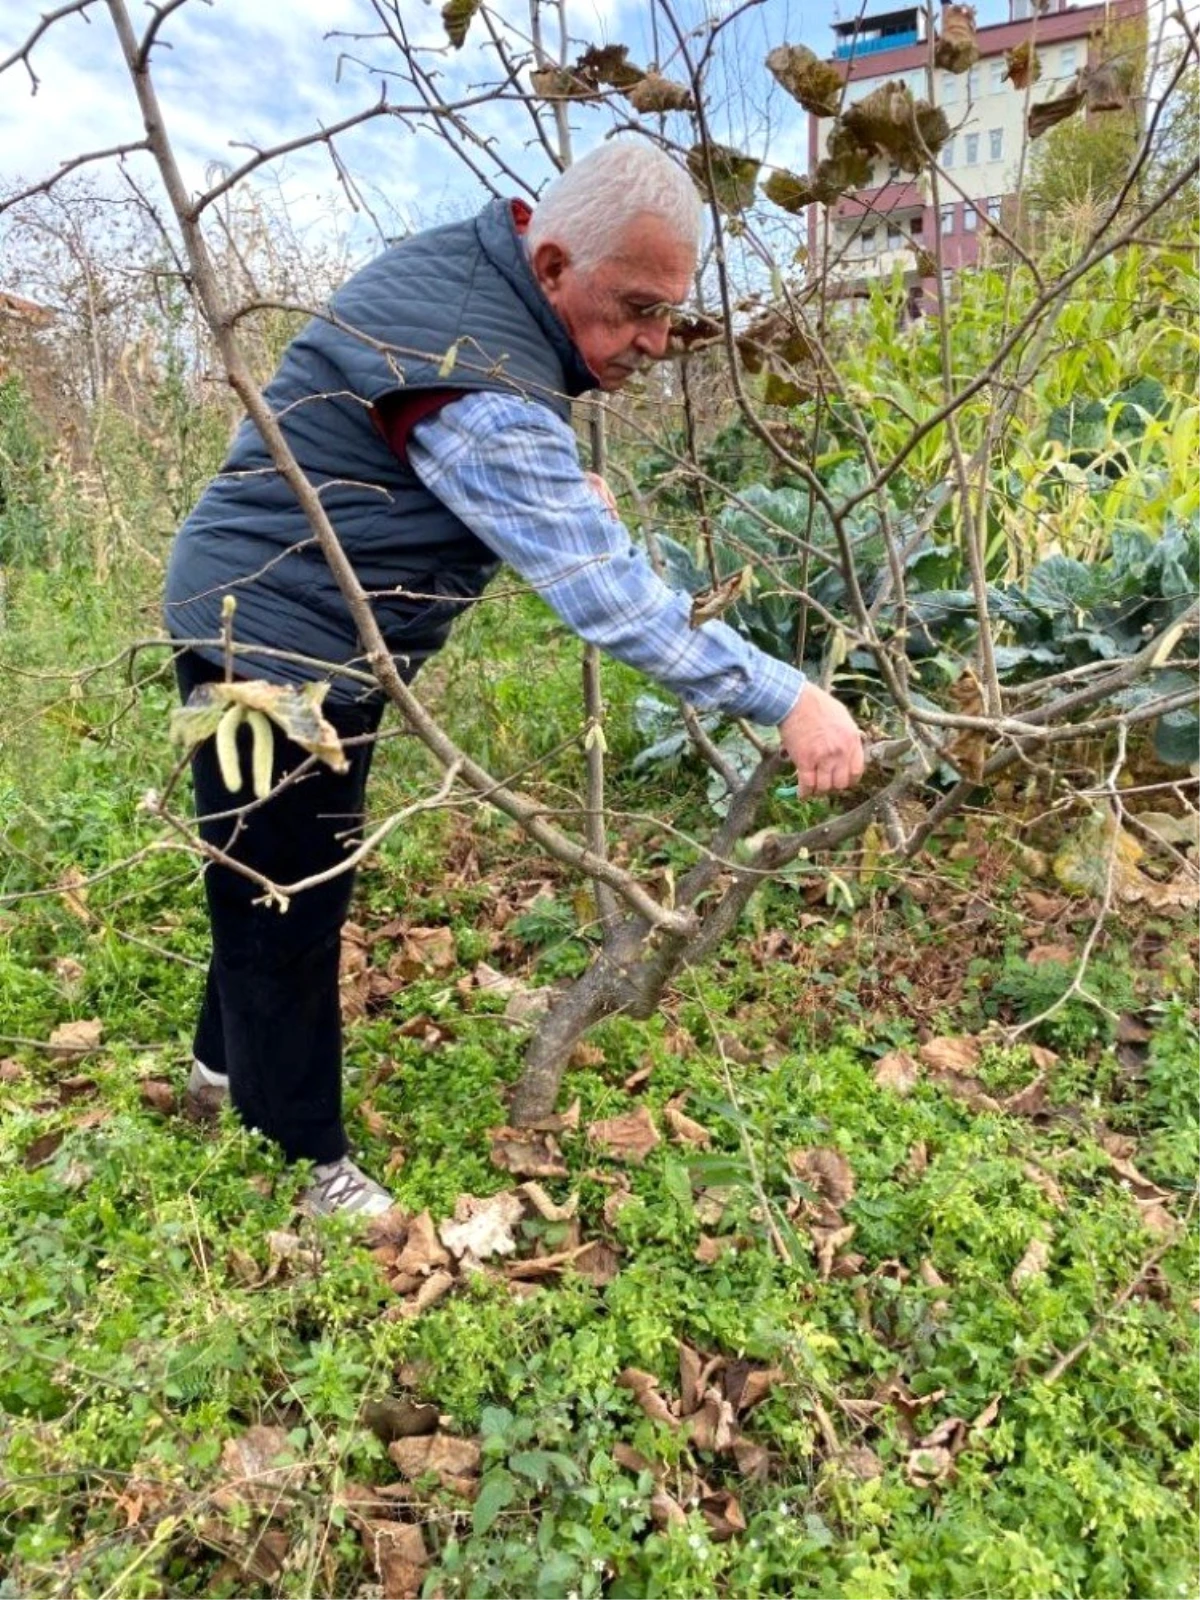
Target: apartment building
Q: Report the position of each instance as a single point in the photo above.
(871, 230)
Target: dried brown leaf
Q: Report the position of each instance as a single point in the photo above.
(394, 1417)
(753, 1461)
(723, 1514)
(898, 1072)
(527, 1152)
(452, 1459)
(683, 1129)
(710, 1250)
(789, 191)
(816, 84)
(71, 1039)
(654, 93)
(421, 1253)
(644, 1388)
(956, 49)
(456, 19)
(630, 1137)
(481, 1229)
(608, 64)
(928, 1465)
(1032, 1264)
(826, 1170)
(1022, 66)
(1048, 1186)
(734, 174)
(159, 1096)
(546, 1208)
(951, 1054)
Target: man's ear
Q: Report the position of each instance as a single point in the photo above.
(549, 262)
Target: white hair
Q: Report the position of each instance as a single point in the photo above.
(587, 208)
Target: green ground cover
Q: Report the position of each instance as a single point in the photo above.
(985, 1388)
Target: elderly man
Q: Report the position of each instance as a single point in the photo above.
(431, 407)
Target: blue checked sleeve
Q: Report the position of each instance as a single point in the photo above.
(509, 469)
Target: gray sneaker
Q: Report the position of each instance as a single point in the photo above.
(339, 1188)
(207, 1092)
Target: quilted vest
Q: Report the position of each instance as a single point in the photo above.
(457, 306)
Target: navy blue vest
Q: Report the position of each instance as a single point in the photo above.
(465, 287)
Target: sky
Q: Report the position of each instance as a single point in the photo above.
(243, 72)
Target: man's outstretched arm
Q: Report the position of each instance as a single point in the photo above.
(510, 471)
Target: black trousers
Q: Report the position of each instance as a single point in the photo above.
(270, 1017)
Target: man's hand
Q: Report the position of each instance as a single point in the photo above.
(821, 737)
(602, 489)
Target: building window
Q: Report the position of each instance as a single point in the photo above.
(947, 220)
(866, 241)
(895, 237)
(949, 88)
(917, 226)
(970, 219)
(973, 84)
(996, 75)
(995, 206)
(995, 144)
(972, 149)
(948, 153)
(1068, 60)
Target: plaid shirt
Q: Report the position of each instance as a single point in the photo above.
(509, 470)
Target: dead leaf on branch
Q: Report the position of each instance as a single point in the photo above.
(790, 192)
(1049, 113)
(1022, 65)
(891, 123)
(456, 19)
(626, 1138)
(557, 83)
(1109, 84)
(734, 175)
(816, 84)
(692, 332)
(956, 49)
(608, 64)
(654, 93)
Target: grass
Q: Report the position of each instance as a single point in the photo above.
(142, 1329)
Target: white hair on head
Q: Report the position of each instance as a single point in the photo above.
(587, 208)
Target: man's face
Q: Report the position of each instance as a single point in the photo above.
(618, 311)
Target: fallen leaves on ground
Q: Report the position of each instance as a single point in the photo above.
(715, 1393)
(423, 1261)
(1032, 1264)
(1147, 1196)
(683, 1129)
(828, 1174)
(527, 1153)
(71, 1039)
(898, 1072)
(630, 1137)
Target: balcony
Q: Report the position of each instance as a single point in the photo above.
(894, 199)
(858, 48)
